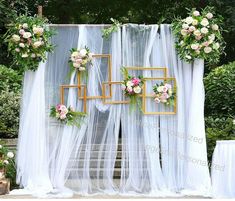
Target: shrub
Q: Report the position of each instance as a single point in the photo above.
(9, 79)
(9, 114)
(220, 91)
(218, 129)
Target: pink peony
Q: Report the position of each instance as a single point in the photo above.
(58, 107)
(135, 81)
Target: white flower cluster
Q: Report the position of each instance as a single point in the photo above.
(80, 58)
(203, 30)
(4, 159)
(26, 39)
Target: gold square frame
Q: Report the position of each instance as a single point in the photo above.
(147, 95)
(62, 87)
(106, 97)
(108, 56)
(164, 69)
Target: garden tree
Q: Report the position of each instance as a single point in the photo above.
(8, 11)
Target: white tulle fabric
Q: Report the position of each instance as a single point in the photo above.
(160, 156)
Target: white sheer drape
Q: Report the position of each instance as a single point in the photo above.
(158, 152)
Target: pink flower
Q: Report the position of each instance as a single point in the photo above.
(129, 89)
(205, 43)
(164, 89)
(21, 31)
(58, 107)
(78, 61)
(168, 86)
(135, 81)
(198, 37)
(163, 97)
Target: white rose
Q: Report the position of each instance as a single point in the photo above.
(209, 15)
(211, 37)
(37, 44)
(204, 22)
(192, 28)
(0, 146)
(129, 89)
(24, 55)
(74, 54)
(207, 49)
(195, 22)
(197, 33)
(137, 89)
(83, 52)
(189, 20)
(82, 69)
(216, 46)
(33, 55)
(196, 13)
(188, 57)
(25, 26)
(76, 65)
(10, 155)
(17, 49)
(185, 26)
(195, 46)
(27, 35)
(215, 27)
(204, 30)
(159, 89)
(129, 84)
(21, 45)
(184, 32)
(6, 162)
(16, 38)
(38, 30)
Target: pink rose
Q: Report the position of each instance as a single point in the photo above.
(205, 44)
(21, 31)
(198, 37)
(58, 107)
(129, 89)
(135, 81)
(78, 61)
(164, 89)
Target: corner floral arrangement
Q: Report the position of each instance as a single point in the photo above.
(67, 115)
(163, 93)
(132, 87)
(106, 33)
(79, 60)
(28, 41)
(199, 36)
(6, 160)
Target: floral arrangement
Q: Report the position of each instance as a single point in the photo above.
(67, 115)
(132, 86)
(6, 160)
(163, 94)
(28, 41)
(199, 36)
(79, 60)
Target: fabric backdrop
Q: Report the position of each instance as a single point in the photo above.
(162, 155)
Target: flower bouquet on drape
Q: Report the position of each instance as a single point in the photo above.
(132, 87)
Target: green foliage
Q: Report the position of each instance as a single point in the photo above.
(9, 114)
(220, 92)
(114, 28)
(218, 129)
(9, 79)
